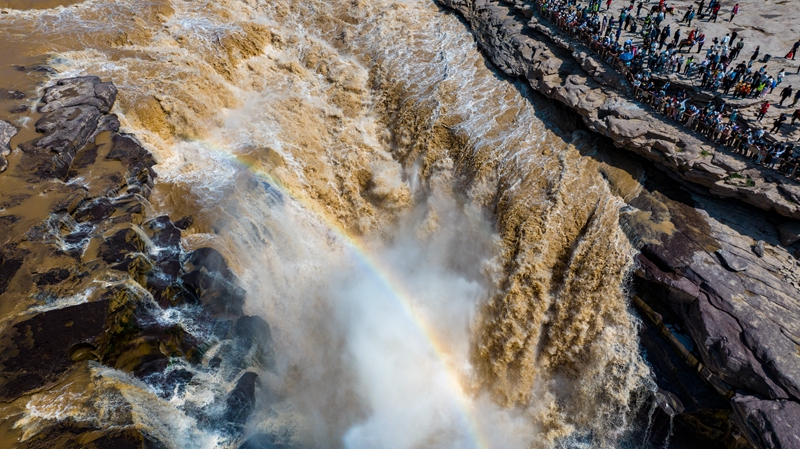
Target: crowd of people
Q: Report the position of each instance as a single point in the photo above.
(651, 48)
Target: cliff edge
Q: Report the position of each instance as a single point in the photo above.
(719, 284)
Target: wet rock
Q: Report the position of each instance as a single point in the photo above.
(185, 222)
(789, 232)
(37, 350)
(10, 94)
(731, 261)
(109, 123)
(768, 424)
(758, 249)
(52, 277)
(95, 211)
(67, 129)
(668, 402)
(88, 240)
(254, 331)
(117, 246)
(68, 434)
(7, 131)
(210, 260)
(136, 159)
(219, 294)
(163, 233)
(83, 90)
(19, 109)
(8, 269)
(241, 401)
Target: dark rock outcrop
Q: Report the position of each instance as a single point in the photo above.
(7, 132)
(734, 306)
(241, 401)
(772, 424)
(85, 274)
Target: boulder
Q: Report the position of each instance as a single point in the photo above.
(184, 223)
(219, 294)
(241, 401)
(82, 90)
(759, 248)
(768, 424)
(211, 260)
(36, 351)
(115, 247)
(254, 331)
(67, 129)
(7, 132)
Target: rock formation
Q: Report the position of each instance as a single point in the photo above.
(85, 271)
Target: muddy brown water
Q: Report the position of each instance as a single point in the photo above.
(36, 4)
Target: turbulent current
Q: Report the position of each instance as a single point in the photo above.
(442, 266)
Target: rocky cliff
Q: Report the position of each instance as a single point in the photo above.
(88, 279)
(522, 44)
(718, 279)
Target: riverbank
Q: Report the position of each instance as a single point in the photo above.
(721, 274)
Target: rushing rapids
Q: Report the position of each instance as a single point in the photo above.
(440, 268)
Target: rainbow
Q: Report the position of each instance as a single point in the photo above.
(388, 280)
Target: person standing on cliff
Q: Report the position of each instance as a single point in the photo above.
(763, 111)
(785, 93)
(776, 125)
(690, 16)
(715, 12)
(737, 49)
(701, 40)
(734, 11)
(795, 48)
(796, 97)
(755, 54)
(664, 35)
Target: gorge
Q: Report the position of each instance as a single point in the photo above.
(329, 223)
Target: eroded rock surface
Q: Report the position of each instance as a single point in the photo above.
(87, 275)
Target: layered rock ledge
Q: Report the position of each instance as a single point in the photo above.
(87, 276)
(719, 284)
